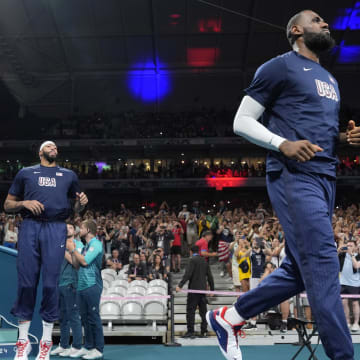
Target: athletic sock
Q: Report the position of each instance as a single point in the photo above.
(253, 322)
(24, 326)
(233, 317)
(284, 321)
(47, 331)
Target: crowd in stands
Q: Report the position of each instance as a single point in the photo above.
(172, 169)
(131, 124)
(247, 242)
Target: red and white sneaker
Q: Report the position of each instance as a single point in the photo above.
(44, 350)
(227, 334)
(23, 349)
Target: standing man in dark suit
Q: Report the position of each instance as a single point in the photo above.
(198, 274)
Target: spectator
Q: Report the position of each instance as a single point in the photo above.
(243, 264)
(177, 231)
(114, 262)
(157, 270)
(163, 238)
(203, 245)
(234, 248)
(225, 238)
(11, 237)
(350, 280)
(136, 270)
(191, 230)
(198, 274)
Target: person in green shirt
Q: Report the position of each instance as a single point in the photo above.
(69, 307)
(89, 288)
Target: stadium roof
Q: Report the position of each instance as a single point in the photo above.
(63, 57)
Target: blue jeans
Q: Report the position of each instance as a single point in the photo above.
(69, 317)
(304, 204)
(89, 300)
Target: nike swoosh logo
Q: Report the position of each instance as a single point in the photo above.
(36, 172)
(307, 69)
(62, 245)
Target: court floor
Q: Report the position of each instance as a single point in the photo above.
(156, 352)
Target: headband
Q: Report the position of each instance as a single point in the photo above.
(46, 143)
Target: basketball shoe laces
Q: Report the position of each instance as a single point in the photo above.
(45, 348)
(237, 329)
(21, 346)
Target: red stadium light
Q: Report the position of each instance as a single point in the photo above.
(202, 57)
(229, 182)
(174, 19)
(175, 16)
(209, 25)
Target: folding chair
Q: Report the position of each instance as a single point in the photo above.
(305, 336)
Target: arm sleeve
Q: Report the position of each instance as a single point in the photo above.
(17, 187)
(74, 187)
(93, 252)
(246, 125)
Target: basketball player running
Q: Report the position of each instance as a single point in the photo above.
(42, 193)
(299, 102)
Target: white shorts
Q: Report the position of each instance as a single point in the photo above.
(254, 282)
(235, 275)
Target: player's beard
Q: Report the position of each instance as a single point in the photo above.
(318, 42)
(49, 158)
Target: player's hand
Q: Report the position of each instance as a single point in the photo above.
(70, 245)
(34, 206)
(177, 289)
(301, 150)
(82, 198)
(353, 134)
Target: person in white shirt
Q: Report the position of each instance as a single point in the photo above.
(11, 237)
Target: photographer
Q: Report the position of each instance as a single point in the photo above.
(350, 279)
(163, 238)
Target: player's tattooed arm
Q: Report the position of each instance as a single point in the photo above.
(13, 204)
(80, 202)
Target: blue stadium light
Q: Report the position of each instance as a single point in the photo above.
(348, 54)
(348, 19)
(148, 82)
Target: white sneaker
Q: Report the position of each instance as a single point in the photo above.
(227, 334)
(44, 350)
(57, 351)
(94, 354)
(355, 327)
(79, 353)
(23, 349)
(66, 352)
(222, 274)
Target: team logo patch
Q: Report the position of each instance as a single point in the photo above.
(46, 181)
(326, 90)
(79, 250)
(91, 248)
(59, 174)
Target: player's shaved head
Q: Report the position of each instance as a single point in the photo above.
(295, 20)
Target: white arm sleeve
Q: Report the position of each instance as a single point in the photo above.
(247, 126)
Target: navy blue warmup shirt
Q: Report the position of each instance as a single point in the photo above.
(52, 186)
(302, 102)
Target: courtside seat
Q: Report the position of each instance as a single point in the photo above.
(106, 283)
(136, 291)
(160, 283)
(110, 309)
(120, 283)
(155, 309)
(108, 274)
(121, 276)
(141, 283)
(156, 290)
(132, 309)
(116, 291)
